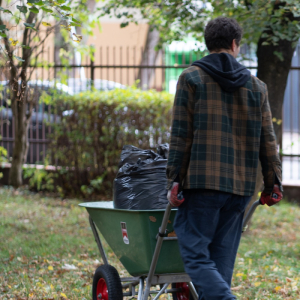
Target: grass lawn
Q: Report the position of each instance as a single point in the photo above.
(47, 251)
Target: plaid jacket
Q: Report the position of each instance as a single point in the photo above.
(218, 137)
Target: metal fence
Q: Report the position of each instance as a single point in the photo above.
(119, 67)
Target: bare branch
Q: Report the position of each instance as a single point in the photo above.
(48, 31)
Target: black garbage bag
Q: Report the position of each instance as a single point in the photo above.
(141, 180)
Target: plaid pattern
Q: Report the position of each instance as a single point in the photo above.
(218, 137)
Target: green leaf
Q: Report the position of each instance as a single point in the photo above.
(22, 9)
(279, 55)
(3, 34)
(61, 1)
(18, 58)
(64, 7)
(124, 24)
(76, 21)
(25, 47)
(32, 28)
(34, 10)
(5, 10)
(47, 10)
(33, 1)
(29, 24)
(40, 3)
(75, 24)
(2, 27)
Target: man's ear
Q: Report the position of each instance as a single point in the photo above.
(233, 46)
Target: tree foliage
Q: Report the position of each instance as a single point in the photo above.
(24, 28)
(176, 19)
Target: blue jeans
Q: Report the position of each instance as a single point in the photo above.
(209, 225)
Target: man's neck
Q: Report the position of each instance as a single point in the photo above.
(223, 51)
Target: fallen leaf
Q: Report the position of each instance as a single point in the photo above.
(278, 288)
(236, 288)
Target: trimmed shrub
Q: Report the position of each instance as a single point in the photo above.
(92, 127)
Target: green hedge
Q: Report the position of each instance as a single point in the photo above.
(87, 142)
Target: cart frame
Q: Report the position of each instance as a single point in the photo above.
(151, 279)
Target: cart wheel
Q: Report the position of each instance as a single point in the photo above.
(107, 284)
(185, 292)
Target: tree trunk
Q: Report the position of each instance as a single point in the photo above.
(59, 42)
(20, 144)
(149, 57)
(274, 72)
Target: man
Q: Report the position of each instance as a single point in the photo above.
(222, 125)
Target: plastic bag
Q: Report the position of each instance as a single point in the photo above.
(141, 180)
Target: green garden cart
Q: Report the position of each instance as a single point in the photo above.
(145, 243)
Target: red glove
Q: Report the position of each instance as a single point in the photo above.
(272, 199)
(174, 197)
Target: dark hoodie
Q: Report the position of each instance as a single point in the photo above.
(225, 70)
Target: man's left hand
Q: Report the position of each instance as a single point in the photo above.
(272, 199)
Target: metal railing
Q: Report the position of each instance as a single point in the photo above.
(112, 67)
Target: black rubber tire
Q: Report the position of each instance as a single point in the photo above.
(112, 280)
(175, 296)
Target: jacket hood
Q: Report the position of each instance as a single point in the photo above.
(225, 70)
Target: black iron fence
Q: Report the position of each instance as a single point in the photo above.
(119, 67)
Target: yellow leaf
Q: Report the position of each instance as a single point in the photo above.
(239, 274)
(274, 119)
(14, 42)
(9, 286)
(257, 283)
(63, 295)
(46, 24)
(50, 268)
(278, 288)
(78, 36)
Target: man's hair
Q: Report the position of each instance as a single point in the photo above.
(220, 32)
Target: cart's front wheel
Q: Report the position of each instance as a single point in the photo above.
(107, 284)
(184, 294)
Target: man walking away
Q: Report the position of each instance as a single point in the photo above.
(222, 125)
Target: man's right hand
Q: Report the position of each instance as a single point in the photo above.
(272, 199)
(173, 195)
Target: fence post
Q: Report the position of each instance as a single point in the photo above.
(92, 65)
